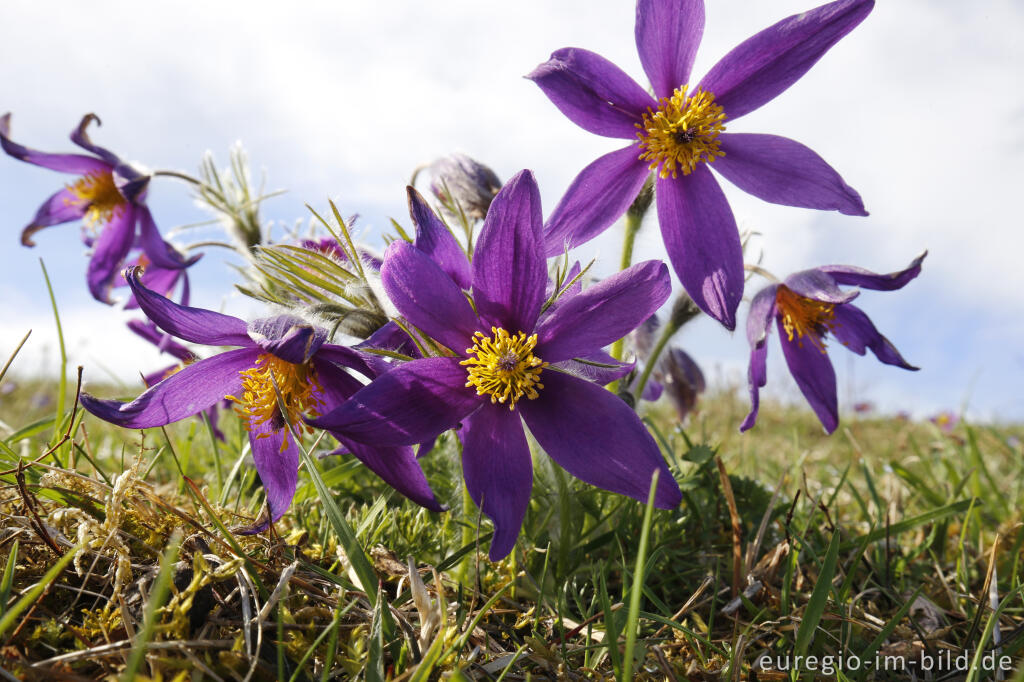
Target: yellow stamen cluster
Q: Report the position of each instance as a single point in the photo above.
(802, 316)
(271, 376)
(98, 191)
(504, 367)
(682, 132)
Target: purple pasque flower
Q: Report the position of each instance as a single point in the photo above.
(109, 198)
(281, 371)
(807, 307)
(501, 366)
(680, 131)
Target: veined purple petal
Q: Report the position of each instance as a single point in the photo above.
(434, 239)
(703, 242)
(604, 312)
(109, 251)
(288, 337)
(159, 280)
(865, 279)
(365, 363)
(595, 94)
(762, 310)
(597, 438)
(607, 369)
(668, 33)
(820, 286)
(78, 164)
(764, 65)
(509, 268)
(852, 328)
(277, 462)
(597, 197)
(160, 253)
(80, 136)
(812, 370)
(190, 324)
(410, 404)
(61, 207)
(428, 297)
(498, 470)
(782, 171)
(183, 394)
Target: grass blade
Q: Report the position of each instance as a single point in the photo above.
(636, 589)
(819, 597)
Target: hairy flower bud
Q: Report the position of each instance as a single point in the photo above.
(458, 179)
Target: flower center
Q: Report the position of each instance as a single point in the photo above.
(98, 191)
(802, 316)
(504, 366)
(682, 132)
(269, 378)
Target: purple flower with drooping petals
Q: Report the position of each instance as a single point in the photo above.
(679, 132)
(109, 199)
(282, 371)
(807, 307)
(505, 368)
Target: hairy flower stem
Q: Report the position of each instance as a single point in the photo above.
(634, 218)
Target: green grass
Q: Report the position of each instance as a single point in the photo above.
(890, 537)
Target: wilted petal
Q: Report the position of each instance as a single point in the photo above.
(183, 394)
(604, 312)
(764, 65)
(410, 404)
(703, 242)
(61, 207)
(785, 172)
(598, 197)
(865, 279)
(595, 94)
(509, 268)
(109, 251)
(434, 239)
(668, 33)
(288, 337)
(812, 370)
(78, 164)
(852, 328)
(759, 319)
(597, 438)
(818, 285)
(498, 471)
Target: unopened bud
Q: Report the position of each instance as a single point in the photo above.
(682, 379)
(458, 179)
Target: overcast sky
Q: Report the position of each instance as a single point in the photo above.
(919, 109)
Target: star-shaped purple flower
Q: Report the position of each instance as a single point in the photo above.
(680, 131)
(109, 199)
(807, 307)
(504, 365)
(282, 363)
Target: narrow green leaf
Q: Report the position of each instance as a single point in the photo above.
(636, 589)
(819, 597)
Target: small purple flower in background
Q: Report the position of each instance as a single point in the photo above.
(683, 129)
(109, 199)
(807, 307)
(945, 420)
(282, 362)
(504, 368)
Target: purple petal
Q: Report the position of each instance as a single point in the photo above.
(703, 242)
(652, 391)
(811, 368)
(613, 370)
(782, 171)
(852, 328)
(818, 285)
(594, 93)
(435, 240)
(598, 197)
(160, 253)
(367, 364)
(109, 251)
(597, 438)
(183, 394)
(277, 462)
(61, 207)
(190, 324)
(163, 342)
(498, 470)
(391, 337)
(288, 337)
(509, 268)
(131, 182)
(865, 279)
(65, 163)
(604, 312)
(762, 310)
(764, 65)
(668, 33)
(427, 297)
(80, 136)
(410, 404)
(159, 280)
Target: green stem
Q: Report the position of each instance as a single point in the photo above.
(667, 332)
(632, 228)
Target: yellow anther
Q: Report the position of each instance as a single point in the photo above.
(97, 189)
(504, 367)
(802, 316)
(682, 132)
(298, 388)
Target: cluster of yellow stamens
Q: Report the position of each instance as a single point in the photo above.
(98, 191)
(504, 367)
(682, 132)
(273, 385)
(802, 316)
